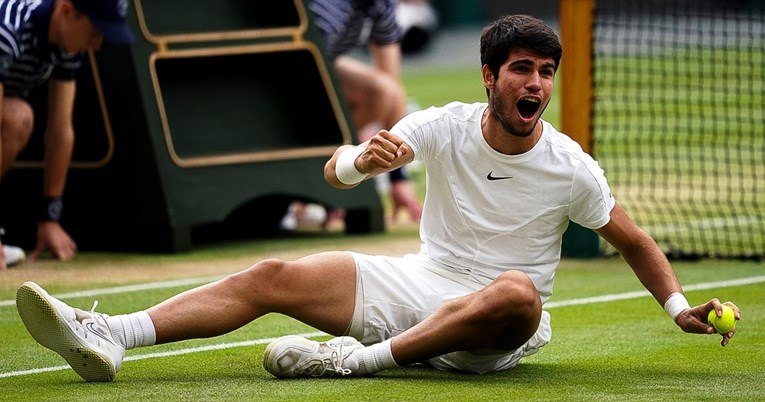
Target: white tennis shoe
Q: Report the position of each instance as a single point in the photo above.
(294, 356)
(82, 338)
(13, 255)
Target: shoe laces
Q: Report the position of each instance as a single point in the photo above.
(95, 313)
(337, 358)
(333, 364)
(81, 315)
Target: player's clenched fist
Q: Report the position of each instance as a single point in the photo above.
(382, 152)
(352, 164)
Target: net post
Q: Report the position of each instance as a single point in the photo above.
(576, 24)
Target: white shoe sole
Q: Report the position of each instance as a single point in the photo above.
(271, 364)
(51, 330)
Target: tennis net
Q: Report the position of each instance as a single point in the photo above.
(678, 120)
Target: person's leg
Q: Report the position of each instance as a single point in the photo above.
(502, 316)
(318, 290)
(499, 318)
(372, 95)
(15, 130)
(482, 361)
(402, 195)
(375, 97)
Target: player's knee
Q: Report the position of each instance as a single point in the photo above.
(515, 297)
(17, 125)
(268, 274)
(387, 92)
(394, 95)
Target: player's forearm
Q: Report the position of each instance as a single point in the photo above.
(59, 144)
(330, 169)
(652, 269)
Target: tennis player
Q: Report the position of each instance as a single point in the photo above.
(502, 186)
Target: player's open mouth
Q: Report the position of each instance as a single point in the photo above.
(528, 106)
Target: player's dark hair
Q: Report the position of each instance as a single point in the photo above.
(515, 32)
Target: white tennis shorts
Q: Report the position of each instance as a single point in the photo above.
(395, 293)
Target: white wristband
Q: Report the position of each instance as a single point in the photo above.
(345, 166)
(676, 304)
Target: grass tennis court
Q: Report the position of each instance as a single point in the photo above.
(626, 349)
(616, 350)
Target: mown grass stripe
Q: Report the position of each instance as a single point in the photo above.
(220, 346)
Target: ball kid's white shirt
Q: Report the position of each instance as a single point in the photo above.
(486, 212)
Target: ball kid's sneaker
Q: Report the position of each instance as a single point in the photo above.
(13, 255)
(294, 356)
(82, 338)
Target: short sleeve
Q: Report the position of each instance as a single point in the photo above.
(67, 66)
(385, 28)
(591, 197)
(417, 130)
(9, 49)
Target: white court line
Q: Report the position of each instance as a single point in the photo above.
(643, 293)
(165, 354)
(127, 289)
(563, 303)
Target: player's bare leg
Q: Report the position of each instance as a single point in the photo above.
(501, 316)
(318, 290)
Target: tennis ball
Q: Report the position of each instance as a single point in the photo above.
(725, 323)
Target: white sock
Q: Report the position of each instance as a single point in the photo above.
(133, 330)
(374, 358)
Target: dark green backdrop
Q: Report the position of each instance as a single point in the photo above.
(251, 123)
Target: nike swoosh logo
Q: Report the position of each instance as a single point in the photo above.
(90, 329)
(492, 178)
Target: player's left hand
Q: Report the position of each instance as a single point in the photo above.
(52, 237)
(694, 320)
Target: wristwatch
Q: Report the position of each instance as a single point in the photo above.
(51, 209)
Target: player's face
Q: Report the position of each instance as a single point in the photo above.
(522, 91)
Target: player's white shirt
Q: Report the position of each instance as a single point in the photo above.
(479, 227)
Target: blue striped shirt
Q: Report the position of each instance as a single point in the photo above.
(27, 60)
(345, 24)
